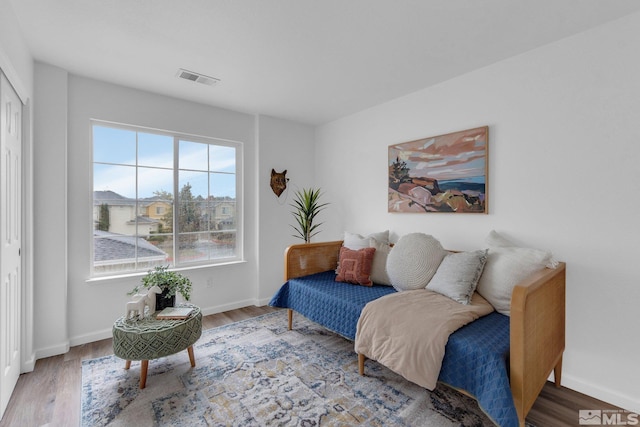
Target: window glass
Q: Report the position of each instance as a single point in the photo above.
(150, 208)
(116, 181)
(223, 159)
(152, 181)
(223, 184)
(155, 150)
(194, 156)
(114, 146)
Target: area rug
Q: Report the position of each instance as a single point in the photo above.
(257, 373)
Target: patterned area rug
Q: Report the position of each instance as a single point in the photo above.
(256, 373)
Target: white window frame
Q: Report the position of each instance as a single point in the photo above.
(178, 136)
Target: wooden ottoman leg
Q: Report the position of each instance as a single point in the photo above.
(127, 364)
(361, 359)
(192, 358)
(290, 318)
(143, 373)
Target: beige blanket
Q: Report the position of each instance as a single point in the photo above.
(408, 331)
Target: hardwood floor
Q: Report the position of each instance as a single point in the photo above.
(50, 395)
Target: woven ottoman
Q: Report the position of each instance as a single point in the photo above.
(152, 338)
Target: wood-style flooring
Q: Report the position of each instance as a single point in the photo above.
(50, 395)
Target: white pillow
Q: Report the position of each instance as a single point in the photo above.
(379, 274)
(504, 269)
(497, 240)
(458, 275)
(356, 241)
(413, 261)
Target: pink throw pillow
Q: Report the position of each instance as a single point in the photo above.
(355, 266)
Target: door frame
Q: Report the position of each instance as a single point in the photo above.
(27, 353)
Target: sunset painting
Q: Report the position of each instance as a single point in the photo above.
(446, 173)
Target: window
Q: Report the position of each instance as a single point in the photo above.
(162, 198)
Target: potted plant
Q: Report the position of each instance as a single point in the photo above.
(307, 207)
(170, 282)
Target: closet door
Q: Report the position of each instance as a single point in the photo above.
(10, 238)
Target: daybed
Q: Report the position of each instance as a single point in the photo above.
(502, 361)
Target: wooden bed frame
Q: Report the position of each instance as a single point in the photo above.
(537, 322)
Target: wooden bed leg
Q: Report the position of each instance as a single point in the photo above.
(361, 359)
(290, 313)
(557, 372)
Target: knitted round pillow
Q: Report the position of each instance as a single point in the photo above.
(413, 261)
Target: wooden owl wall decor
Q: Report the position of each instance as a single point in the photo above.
(278, 181)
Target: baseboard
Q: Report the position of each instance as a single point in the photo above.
(94, 336)
(601, 393)
(28, 365)
(107, 333)
(52, 351)
(262, 302)
(226, 307)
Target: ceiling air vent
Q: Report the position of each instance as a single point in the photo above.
(195, 77)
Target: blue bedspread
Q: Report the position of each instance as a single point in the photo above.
(335, 305)
(475, 358)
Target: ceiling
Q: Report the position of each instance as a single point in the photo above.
(309, 61)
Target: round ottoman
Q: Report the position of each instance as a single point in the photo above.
(152, 338)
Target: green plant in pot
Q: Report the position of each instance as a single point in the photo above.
(306, 207)
(171, 284)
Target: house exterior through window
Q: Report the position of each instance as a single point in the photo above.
(163, 199)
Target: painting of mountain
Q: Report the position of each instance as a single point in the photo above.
(445, 173)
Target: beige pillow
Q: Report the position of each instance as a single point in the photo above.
(379, 273)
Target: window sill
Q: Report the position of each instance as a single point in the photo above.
(105, 279)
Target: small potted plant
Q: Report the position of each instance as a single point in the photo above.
(306, 207)
(170, 282)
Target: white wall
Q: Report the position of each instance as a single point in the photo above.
(563, 175)
(15, 59)
(65, 195)
(50, 205)
(233, 285)
(92, 306)
(283, 145)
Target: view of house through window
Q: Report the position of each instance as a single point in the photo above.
(162, 199)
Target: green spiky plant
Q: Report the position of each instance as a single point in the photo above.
(307, 206)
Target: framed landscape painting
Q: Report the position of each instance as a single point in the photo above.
(446, 173)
